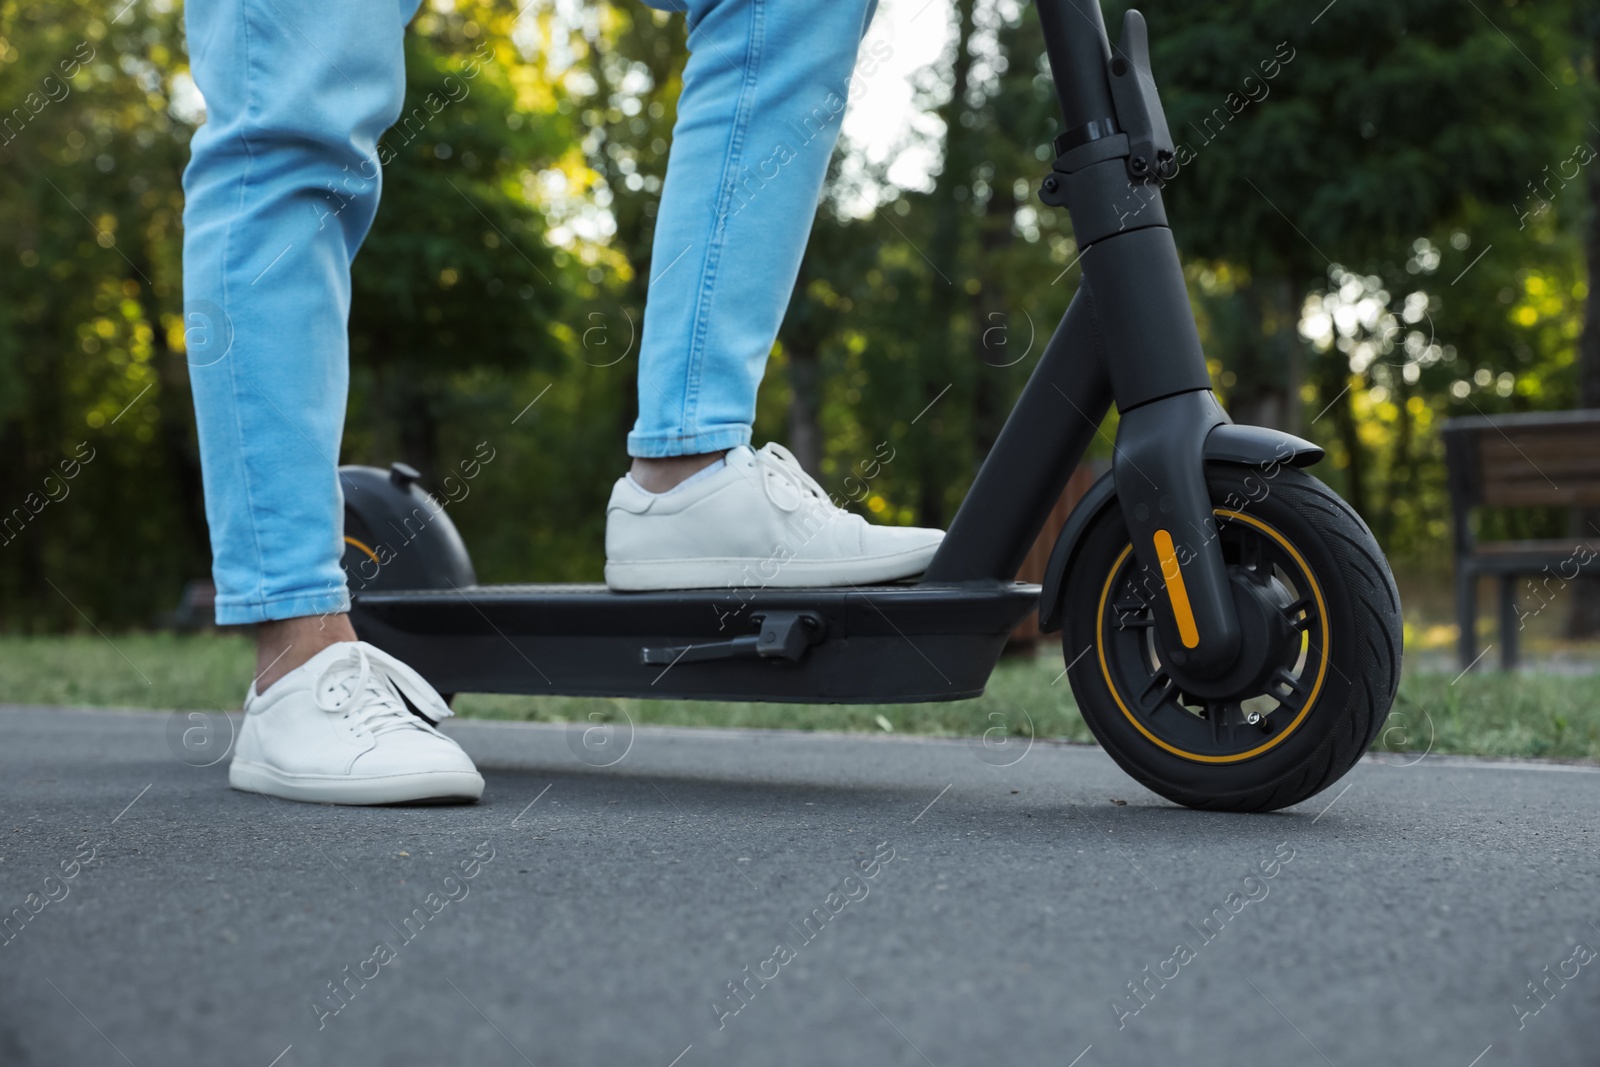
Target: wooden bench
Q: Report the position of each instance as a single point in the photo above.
(1548, 459)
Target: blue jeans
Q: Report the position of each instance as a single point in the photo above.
(281, 189)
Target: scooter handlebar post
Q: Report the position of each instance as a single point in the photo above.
(1080, 53)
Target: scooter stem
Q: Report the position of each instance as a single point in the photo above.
(1111, 160)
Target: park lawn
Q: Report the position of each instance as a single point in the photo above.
(1486, 714)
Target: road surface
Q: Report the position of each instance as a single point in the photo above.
(686, 898)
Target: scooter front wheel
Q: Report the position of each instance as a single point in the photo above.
(1317, 672)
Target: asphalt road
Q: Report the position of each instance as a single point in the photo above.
(896, 901)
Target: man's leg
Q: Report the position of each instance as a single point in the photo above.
(281, 188)
(763, 98)
(280, 191)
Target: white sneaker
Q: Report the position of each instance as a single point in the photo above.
(335, 730)
(760, 521)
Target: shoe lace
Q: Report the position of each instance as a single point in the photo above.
(779, 467)
(363, 691)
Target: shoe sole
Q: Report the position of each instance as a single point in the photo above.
(664, 574)
(324, 789)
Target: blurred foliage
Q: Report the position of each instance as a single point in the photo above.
(1383, 232)
(1341, 178)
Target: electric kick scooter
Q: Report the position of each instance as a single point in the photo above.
(1231, 627)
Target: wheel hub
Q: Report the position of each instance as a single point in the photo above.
(1267, 636)
(1260, 697)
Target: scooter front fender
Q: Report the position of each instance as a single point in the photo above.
(1256, 446)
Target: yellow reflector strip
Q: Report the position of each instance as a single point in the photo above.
(1176, 591)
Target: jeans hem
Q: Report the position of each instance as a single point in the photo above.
(241, 611)
(663, 446)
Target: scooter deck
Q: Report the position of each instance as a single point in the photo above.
(867, 644)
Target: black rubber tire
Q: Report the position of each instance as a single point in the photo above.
(1363, 648)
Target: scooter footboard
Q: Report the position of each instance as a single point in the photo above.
(873, 644)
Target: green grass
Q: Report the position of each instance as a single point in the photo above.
(1551, 716)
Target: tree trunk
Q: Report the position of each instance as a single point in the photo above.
(805, 432)
(1334, 379)
(944, 252)
(1269, 360)
(999, 334)
(409, 407)
(1283, 333)
(1583, 619)
(184, 462)
(1401, 482)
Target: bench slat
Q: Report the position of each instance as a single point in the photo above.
(1577, 468)
(1529, 494)
(1557, 547)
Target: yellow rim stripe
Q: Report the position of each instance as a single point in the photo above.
(370, 554)
(1316, 688)
(1177, 592)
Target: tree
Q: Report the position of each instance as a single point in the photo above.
(91, 352)
(455, 275)
(1584, 617)
(1306, 143)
